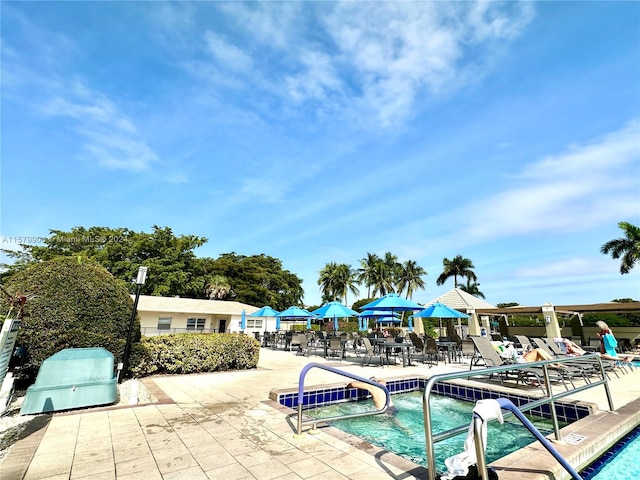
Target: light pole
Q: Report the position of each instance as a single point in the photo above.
(124, 366)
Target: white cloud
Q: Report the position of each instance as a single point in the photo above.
(111, 136)
(368, 62)
(573, 267)
(227, 54)
(580, 188)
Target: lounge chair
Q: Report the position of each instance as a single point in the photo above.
(524, 341)
(486, 354)
(583, 369)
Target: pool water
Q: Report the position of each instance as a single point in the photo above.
(620, 463)
(403, 433)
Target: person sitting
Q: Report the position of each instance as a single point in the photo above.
(575, 349)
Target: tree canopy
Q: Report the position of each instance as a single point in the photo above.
(174, 268)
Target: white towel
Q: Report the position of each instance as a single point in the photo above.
(458, 465)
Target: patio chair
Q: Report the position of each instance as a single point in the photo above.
(369, 353)
(418, 345)
(431, 349)
(335, 347)
(296, 342)
(467, 349)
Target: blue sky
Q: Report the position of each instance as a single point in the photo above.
(508, 133)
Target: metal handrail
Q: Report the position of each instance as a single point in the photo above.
(315, 421)
(430, 439)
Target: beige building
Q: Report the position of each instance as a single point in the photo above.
(160, 315)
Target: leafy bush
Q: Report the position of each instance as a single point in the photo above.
(76, 304)
(183, 353)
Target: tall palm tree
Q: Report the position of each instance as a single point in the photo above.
(382, 283)
(393, 268)
(345, 280)
(458, 267)
(366, 271)
(410, 278)
(326, 282)
(336, 280)
(628, 248)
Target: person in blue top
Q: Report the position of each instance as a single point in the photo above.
(608, 343)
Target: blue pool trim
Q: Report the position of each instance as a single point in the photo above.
(567, 412)
(594, 468)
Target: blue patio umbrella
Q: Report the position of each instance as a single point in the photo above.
(393, 303)
(267, 311)
(375, 314)
(440, 310)
(309, 323)
(294, 313)
(388, 319)
(410, 324)
(334, 310)
(243, 320)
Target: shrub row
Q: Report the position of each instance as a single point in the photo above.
(183, 353)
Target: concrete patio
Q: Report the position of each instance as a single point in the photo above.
(222, 426)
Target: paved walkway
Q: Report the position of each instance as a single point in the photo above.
(217, 426)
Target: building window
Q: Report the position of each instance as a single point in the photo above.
(195, 323)
(254, 323)
(164, 323)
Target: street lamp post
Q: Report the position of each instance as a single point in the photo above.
(124, 366)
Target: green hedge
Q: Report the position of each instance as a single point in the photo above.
(183, 353)
(73, 303)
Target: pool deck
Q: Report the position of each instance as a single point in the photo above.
(222, 426)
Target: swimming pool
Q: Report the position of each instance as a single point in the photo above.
(620, 462)
(403, 433)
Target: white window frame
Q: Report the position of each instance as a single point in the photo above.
(254, 323)
(162, 323)
(197, 324)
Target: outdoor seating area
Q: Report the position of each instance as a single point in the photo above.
(572, 369)
(406, 349)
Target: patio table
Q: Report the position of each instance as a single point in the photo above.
(450, 347)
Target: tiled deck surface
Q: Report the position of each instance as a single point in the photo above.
(221, 426)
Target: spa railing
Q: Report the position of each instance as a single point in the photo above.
(550, 399)
(314, 421)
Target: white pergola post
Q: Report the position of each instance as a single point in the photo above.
(551, 321)
(474, 325)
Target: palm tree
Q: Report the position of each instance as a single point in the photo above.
(383, 275)
(471, 288)
(628, 248)
(326, 282)
(458, 267)
(409, 278)
(366, 271)
(345, 280)
(336, 280)
(218, 288)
